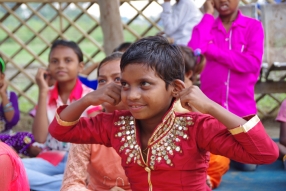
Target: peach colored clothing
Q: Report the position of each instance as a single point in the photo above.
(93, 167)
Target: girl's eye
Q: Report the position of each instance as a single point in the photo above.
(145, 84)
(124, 84)
(117, 79)
(53, 61)
(101, 81)
(68, 60)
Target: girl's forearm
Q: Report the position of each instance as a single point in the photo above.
(41, 123)
(227, 118)
(74, 110)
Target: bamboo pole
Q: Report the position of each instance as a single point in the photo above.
(111, 24)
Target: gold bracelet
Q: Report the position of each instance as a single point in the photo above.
(284, 158)
(65, 123)
(246, 127)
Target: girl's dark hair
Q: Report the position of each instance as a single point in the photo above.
(122, 47)
(192, 62)
(69, 44)
(157, 53)
(113, 56)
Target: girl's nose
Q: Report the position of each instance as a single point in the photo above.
(61, 64)
(133, 94)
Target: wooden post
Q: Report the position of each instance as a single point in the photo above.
(111, 24)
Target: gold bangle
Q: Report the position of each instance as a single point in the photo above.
(284, 158)
(246, 127)
(65, 123)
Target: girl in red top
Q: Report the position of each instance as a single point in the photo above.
(161, 149)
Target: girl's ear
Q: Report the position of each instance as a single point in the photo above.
(178, 86)
(81, 66)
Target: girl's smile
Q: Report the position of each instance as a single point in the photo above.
(135, 108)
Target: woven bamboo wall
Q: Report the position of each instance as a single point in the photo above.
(28, 27)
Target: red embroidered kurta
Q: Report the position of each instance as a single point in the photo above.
(178, 149)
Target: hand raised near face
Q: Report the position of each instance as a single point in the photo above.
(42, 78)
(110, 93)
(3, 87)
(209, 7)
(194, 97)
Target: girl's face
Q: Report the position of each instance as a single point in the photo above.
(226, 7)
(109, 72)
(144, 92)
(64, 65)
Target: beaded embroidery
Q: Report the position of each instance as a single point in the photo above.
(128, 137)
(163, 144)
(165, 148)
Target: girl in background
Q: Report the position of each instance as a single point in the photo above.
(10, 116)
(281, 118)
(93, 166)
(9, 109)
(45, 172)
(233, 46)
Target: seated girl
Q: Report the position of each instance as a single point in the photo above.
(281, 118)
(45, 172)
(10, 116)
(93, 166)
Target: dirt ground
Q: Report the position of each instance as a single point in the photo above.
(272, 127)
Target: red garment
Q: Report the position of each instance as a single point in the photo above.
(178, 154)
(12, 172)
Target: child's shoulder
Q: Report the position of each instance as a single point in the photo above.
(281, 117)
(85, 89)
(12, 93)
(283, 104)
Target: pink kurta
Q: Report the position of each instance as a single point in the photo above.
(178, 156)
(234, 60)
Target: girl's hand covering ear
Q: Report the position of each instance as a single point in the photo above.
(209, 7)
(110, 93)
(3, 88)
(194, 97)
(42, 78)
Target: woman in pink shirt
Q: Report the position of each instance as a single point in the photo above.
(233, 46)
